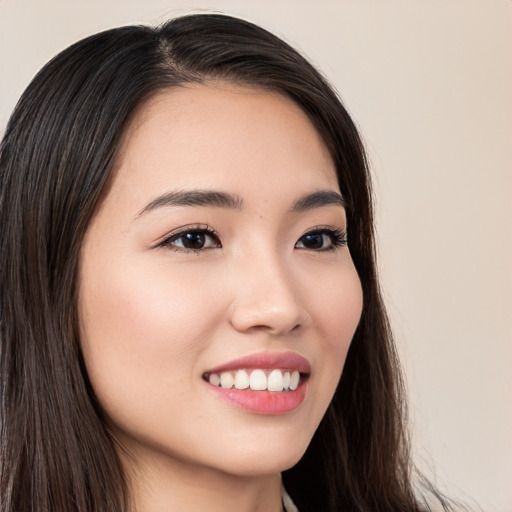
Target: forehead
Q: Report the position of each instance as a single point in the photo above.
(222, 136)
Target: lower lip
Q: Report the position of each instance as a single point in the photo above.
(263, 402)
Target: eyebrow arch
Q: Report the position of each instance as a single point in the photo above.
(317, 200)
(194, 198)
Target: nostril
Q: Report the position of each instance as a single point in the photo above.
(265, 317)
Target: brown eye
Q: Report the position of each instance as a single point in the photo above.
(192, 240)
(315, 240)
(322, 240)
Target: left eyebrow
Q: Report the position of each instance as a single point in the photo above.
(317, 200)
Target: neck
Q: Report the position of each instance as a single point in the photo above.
(188, 488)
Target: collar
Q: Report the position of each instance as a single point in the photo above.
(288, 504)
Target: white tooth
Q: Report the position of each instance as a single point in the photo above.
(214, 379)
(241, 379)
(258, 380)
(294, 380)
(226, 380)
(275, 381)
(286, 380)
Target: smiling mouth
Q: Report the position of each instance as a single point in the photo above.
(274, 380)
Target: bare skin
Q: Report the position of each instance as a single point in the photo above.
(170, 290)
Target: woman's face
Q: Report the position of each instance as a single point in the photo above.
(218, 254)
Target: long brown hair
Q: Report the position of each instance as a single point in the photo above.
(56, 157)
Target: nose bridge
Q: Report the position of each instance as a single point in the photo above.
(265, 294)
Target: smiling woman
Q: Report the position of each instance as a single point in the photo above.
(190, 309)
(182, 283)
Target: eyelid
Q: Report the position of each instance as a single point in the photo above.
(338, 237)
(165, 241)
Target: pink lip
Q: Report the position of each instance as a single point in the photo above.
(266, 361)
(264, 402)
(270, 403)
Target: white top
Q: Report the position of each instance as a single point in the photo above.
(288, 504)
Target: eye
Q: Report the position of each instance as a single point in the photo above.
(192, 239)
(322, 239)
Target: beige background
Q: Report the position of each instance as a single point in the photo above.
(429, 83)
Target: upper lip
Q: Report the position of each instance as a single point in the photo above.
(264, 361)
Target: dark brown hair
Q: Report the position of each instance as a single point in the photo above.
(56, 157)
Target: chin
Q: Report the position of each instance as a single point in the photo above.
(264, 458)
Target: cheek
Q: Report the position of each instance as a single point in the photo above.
(141, 303)
(142, 325)
(344, 313)
(337, 306)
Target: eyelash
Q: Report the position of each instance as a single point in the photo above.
(199, 229)
(338, 238)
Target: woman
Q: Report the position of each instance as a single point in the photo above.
(189, 297)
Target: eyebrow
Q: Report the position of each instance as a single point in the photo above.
(216, 199)
(194, 198)
(317, 200)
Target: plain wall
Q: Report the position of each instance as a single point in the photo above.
(429, 83)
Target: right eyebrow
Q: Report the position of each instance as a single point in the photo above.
(210, 198)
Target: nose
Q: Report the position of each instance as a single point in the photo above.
(267, 297)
